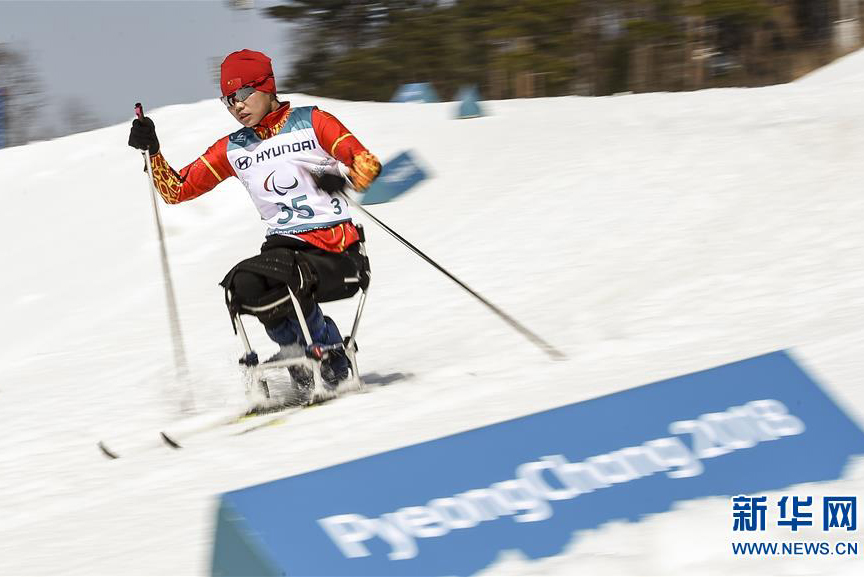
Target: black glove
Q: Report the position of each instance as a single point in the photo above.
(143, 135)
(330, 183)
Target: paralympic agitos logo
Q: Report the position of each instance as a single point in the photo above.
(271, 186)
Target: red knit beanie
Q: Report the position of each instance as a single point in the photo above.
(247, 68)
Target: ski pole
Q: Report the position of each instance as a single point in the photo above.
(187, 403)
(551, 351)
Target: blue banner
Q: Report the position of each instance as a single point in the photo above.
(450, 506)
(415, 92)
(469, 102)
(397, 177)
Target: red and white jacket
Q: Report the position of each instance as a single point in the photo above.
(279, 161)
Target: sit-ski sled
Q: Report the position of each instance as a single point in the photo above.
(309, 358)
(312, 357)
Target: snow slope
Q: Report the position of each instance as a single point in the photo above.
(646, 236)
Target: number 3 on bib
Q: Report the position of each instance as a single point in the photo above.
(303, 211)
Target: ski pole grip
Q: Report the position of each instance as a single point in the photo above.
(139, 110)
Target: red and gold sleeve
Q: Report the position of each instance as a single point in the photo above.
(344, 147)
(192, 181)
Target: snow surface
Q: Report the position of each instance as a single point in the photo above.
(647, 236)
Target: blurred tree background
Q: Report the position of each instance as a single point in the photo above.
(364, 50)
(23, 93)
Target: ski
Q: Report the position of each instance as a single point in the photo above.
(254, 418)
(176, 435)
(173, 436)
(239, 420)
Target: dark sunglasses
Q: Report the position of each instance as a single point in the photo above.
(238, 96)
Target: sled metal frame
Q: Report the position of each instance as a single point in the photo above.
(256, 386)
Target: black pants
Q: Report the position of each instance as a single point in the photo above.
(313, 274)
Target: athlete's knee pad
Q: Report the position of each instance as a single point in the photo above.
(259, 286)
